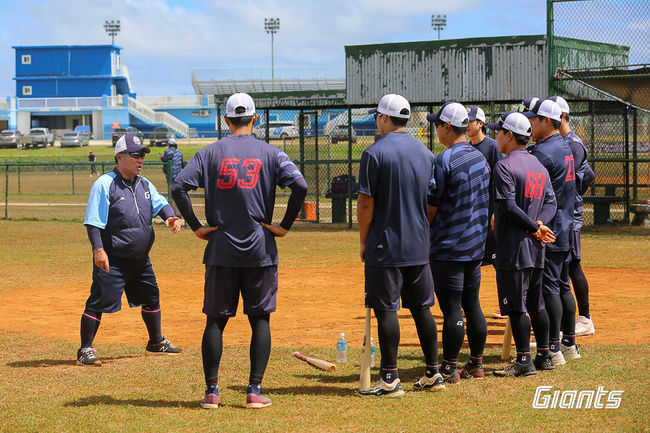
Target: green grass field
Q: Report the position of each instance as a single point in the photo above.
(44, 391)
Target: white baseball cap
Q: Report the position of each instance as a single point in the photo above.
(564, 106)
(240, 105)
(513, 121)
(476, 113)
(393, 105)
(545, 108)
(451, 112)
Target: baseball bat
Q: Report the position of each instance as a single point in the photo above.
(315, 362)
(364, 378)
(507, 341)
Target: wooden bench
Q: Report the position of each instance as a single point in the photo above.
(641, 214)
(601, 206)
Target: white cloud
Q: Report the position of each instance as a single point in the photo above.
(643, 26)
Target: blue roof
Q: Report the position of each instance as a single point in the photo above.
(66, 46)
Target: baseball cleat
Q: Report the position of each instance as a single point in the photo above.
(496, 314)
(544, 363)
(165, 347)
(88, 356)
(257, 401)
(516, 370)
(584, 326)
(383, 389)
(435, 383)
(210, 401)
(452, 378)
(570, 352)
(471, 371)
(557, 358)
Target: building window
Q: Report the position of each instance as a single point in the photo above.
(26, 59)
(27, 90)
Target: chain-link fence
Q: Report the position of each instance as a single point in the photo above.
(326, 145)
(614, 119)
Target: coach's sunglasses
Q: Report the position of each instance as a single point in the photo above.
(135, 155)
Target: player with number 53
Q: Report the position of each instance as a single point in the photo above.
(239, 175)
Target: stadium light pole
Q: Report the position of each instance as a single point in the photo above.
(438, 22)
(112, 28)
(272, 25)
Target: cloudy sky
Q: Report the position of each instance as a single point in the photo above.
(163, 40)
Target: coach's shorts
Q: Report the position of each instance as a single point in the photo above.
(575, 249)
(456, 276)
(520, 291)
(556, 273)
(385, 287)
(258, 287)
(135, 277)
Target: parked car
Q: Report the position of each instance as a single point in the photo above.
(117, 133)
(84, 129)
(160, 135)
(11, 138)
(340, 133)
(38, 137)
(277, 129)
(74, 139)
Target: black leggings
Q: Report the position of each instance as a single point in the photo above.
(580, 287)
(389, 335)
(260, 347)
(453, 303)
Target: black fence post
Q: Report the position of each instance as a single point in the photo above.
(430, 130)
(593, 144)
(301, 143)
(626, 217)
(635, 178)
(317, 166)
(6, 191)
(218, 122)
(349, 167)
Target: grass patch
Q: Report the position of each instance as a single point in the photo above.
(132, 392)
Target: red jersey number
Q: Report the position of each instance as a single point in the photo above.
(535, 185)
(571, 170)
(228, 173)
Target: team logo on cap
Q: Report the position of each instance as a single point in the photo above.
(136, 140)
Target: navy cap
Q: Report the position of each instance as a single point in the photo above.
(130, 143)
(528, 103)
(476, 113)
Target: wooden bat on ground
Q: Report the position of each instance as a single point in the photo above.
(507, 341)
(315, 362)
(364, 378)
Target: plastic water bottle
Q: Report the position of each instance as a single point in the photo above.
(342, 349)
(373, 349)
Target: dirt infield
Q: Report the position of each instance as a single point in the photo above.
(314, 305)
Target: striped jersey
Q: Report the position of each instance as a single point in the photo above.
(462, 196)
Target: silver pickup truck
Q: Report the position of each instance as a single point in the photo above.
(38, 137)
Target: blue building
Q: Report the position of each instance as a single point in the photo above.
(63, 86)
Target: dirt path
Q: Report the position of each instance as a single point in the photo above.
(314, 305)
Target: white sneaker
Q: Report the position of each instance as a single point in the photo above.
(584, 326)
(570, 352)
(557, 357)
(382, 389)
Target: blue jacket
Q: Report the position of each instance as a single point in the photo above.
(123, 211)
(176, 157)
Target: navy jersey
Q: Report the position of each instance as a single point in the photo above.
(584, 175)
(123, 211)
(396, 172)
(555, 155)
(461, 194)
(522, 178)
(490, 150)
(239, 174)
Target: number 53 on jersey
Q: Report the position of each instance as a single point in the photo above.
(237, 172)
